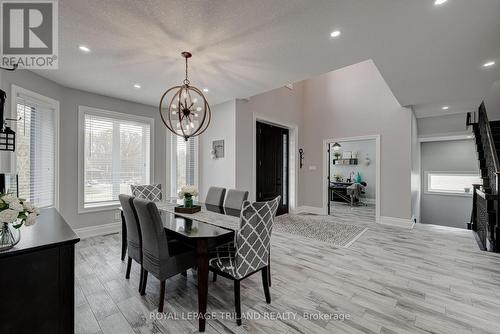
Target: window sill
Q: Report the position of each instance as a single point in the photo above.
(447, 194)
(99, 208)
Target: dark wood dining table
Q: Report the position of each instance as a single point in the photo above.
(203, 236)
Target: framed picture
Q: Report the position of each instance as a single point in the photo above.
(347, 155)
(218, 149)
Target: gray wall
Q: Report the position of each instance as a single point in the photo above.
(492, 102)
(352, 101)
(356, 101)
(281, 105)
(218, 172)
(452, 124)
(447, 156)
(69, 100)
(415, 169)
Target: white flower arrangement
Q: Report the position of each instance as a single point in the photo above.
(17, 211)
(188, 191)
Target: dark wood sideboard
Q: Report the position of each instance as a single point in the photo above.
(37, 279)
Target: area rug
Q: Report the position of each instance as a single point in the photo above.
(322, 228)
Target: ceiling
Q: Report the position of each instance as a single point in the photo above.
(430, 56)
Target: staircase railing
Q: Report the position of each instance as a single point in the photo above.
(485, 218)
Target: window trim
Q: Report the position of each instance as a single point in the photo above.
(86, 110)
(440, 193)
(16, 90)
(171, 139)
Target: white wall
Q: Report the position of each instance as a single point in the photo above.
(68, 155)
(447, 156)
(219, 172)
(367, 173)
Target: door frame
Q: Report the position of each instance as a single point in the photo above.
(293, 136)
(326, 165)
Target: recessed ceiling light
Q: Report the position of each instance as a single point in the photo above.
(445, 108)
(84, 48)
(489, 64)
(439, 2)
(335, 33)
(137, 86)
(205, 90)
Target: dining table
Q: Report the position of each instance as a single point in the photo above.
(205, 230)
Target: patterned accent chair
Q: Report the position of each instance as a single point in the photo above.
(134, 238)
(250, 251)
(161, 257)
(151, 192)
(215, 196)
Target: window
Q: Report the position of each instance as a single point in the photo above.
(451, 183)
(36, 147)
(184, 168)
(115, 152)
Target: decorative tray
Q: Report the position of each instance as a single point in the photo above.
(182, 209)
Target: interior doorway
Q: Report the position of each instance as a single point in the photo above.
(351, 190)
(272, 170)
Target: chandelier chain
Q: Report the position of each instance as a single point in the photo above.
(186, 81)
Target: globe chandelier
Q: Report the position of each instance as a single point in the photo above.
(184, 109)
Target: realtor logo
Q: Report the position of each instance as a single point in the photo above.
(29, 34)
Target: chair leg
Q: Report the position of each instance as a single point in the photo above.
(144, 282)
(214, 277)
(265, 283)
(269, 268)
(141, 277)
(129, 265)
(237, 302)
(162, 296)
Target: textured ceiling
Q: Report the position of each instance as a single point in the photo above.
(428, 55)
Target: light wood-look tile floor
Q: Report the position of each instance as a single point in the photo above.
(427, 280)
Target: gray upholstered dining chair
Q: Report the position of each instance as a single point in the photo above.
(215, 196)
(134, 238)
(250, 251)
(235, 199)
(161, 258)
(150, 192)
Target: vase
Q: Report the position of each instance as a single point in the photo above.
(188, 201)
(9, 236)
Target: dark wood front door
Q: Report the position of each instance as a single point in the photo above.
(272, 164)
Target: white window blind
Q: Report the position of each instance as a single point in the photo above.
(36, 150)
(451, 183)
(184, 162)
(116, 154)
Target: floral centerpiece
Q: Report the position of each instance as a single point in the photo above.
(14, 213)
(187, 193)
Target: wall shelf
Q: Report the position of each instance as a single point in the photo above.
(345, 162)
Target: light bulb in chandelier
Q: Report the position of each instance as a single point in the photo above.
(182, 109)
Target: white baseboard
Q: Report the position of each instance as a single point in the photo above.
(94, 231)
(398, 222)
(309, 209)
